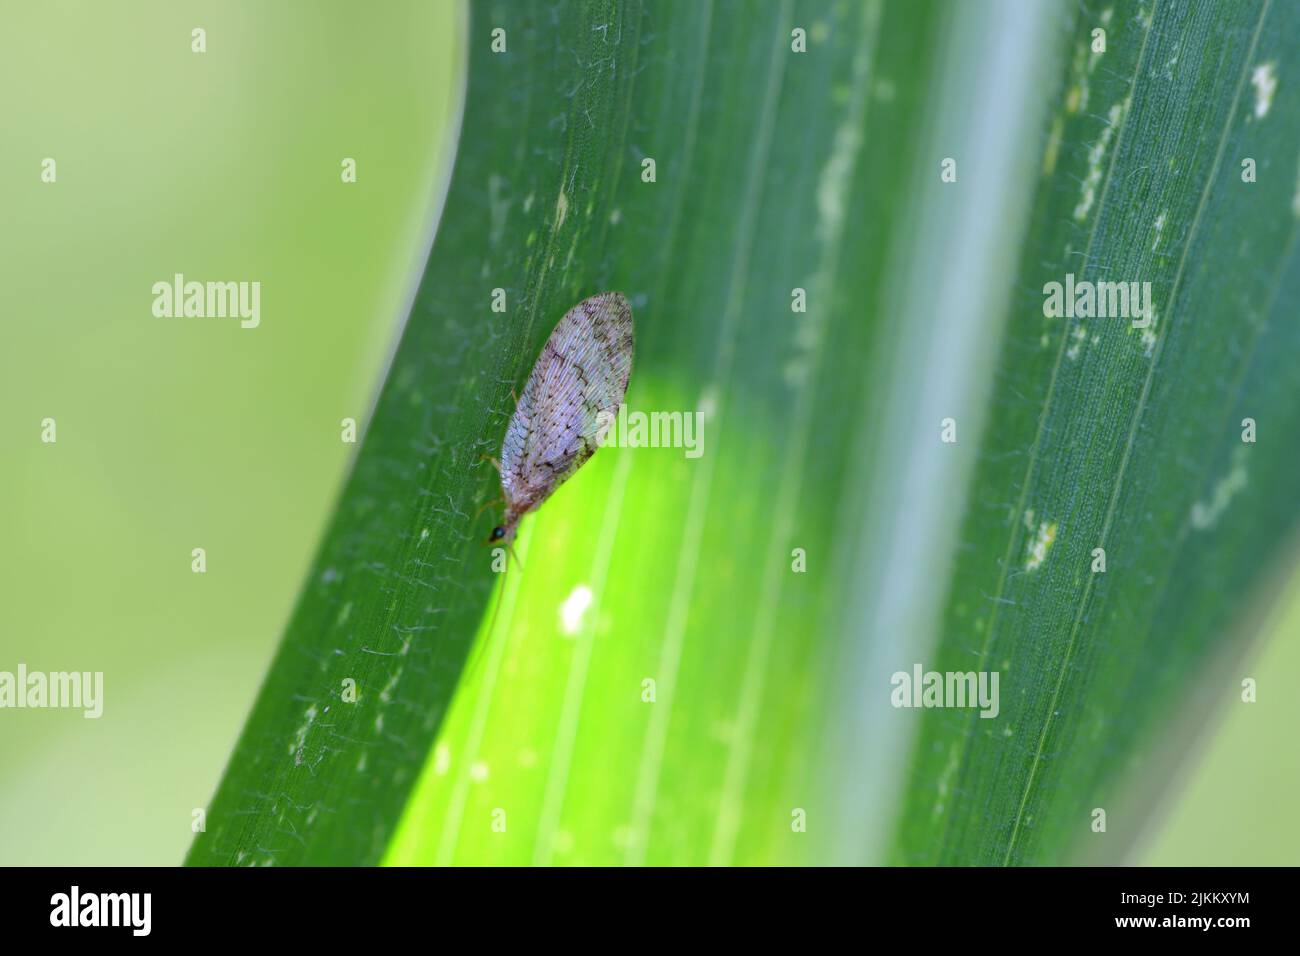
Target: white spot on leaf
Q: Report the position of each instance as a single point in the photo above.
(574, 609)
(300, 735)
(1079, 335)
(1037, 548)
(1206, 514)
(1149, 333)
(1264, 80)
(561, 210)
(1096, 158)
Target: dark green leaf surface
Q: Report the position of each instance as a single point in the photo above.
(1102, 437)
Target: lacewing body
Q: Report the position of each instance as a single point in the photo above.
(582, 371)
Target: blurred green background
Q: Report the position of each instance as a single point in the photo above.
(182, 433)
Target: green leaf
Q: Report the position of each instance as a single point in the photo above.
(1105, 436)
(402, 577)
(548, 202)
(692, 661)
(663, 677)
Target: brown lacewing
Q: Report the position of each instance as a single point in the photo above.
(578, 382)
